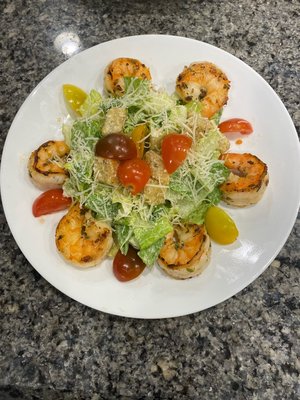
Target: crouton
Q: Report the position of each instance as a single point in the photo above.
(105, 170)
(114, 121)
(154, 193)
(156, 188)
(158, 171)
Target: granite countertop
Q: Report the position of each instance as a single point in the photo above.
(55, 348)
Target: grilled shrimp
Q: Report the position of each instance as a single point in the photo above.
(121, 68)
(204, 81)
(43, 168)
(186, 251)
(247, 181)
(81, 239)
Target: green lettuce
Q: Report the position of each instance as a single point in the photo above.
(91, 104)
(100, 202)
(148, 233)
(217, 116)
(80, 168)
(193, 106)
(123, 235)
(197, 215)
(85, 133)
(150, 254)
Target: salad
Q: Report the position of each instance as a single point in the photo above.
(142, 172)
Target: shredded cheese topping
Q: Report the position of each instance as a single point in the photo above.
(198, 176)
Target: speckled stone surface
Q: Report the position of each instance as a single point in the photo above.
(54, 348)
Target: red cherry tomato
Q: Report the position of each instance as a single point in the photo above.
(134, 173)
(49, 202)
(236, 125)
(129, 266)
(174, 150)
(116, 146)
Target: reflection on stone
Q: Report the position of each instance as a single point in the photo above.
(68, 43)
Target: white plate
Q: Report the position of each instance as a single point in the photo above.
(263, 228)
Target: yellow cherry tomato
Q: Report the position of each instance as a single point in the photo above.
(220, 226)
(138, 134)
(74, 97)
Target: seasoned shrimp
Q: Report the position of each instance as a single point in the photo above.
(43, 168)
(186, 251)
(121, 68)
(247, 181)
(81, 239)
(204, 81)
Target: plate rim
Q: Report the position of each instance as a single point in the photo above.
(81, 54)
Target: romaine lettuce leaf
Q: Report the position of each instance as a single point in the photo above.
(67, 132)
(80, 168)
(193, 106)
(197, 215)
(100, 202)
(123, 235)
(217, 116)
(91, 104)
(150, 254)
(85, 133)
(187, 186)
(133, 84)
(148, 233)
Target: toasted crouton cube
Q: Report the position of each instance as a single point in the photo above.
(155, 189)
(114, 121)
(158, 171)
(154, 193)
(105, 170)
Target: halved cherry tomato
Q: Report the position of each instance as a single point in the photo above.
(49, 202)
(116, 146)
(134, 173)
(74, 96)
(129, 266)
(174, 150)
(234, 125)
(220, 226)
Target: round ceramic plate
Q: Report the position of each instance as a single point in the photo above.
(263, 228)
